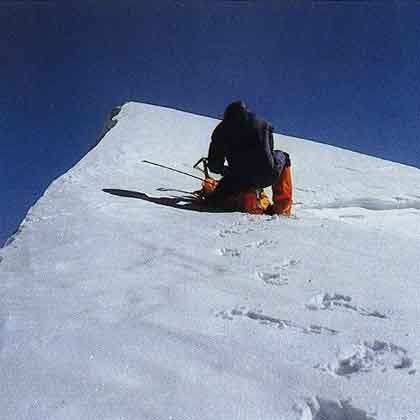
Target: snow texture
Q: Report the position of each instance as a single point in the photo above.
(123, 300)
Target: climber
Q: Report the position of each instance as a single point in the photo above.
(246, 143)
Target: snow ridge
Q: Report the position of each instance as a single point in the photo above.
(123, 300)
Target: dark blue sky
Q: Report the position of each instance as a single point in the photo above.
(344, 73)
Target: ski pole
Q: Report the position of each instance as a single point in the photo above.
(172, 169)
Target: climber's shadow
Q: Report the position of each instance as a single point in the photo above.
(183, 202)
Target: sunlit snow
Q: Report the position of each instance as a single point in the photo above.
(132, 304)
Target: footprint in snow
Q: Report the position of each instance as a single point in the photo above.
(272, 321)
(226, 232)
(278, 276)
(325, 301)
(229, 252)
(289, 262)
(317, 408)
(272, 278)
(248, 223)
(367, 356)
(261, 244)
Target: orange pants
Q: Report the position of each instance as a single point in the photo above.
(282, 193)
(250, 203)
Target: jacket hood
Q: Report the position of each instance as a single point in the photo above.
(236, 111)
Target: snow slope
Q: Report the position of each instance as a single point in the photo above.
(118, 306)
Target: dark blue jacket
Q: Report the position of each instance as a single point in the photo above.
(246, 142)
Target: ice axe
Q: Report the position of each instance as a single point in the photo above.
(205, 169)
(173, 169)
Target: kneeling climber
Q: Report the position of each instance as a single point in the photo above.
(246, 143)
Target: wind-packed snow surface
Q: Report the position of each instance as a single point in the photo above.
(132, 305)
